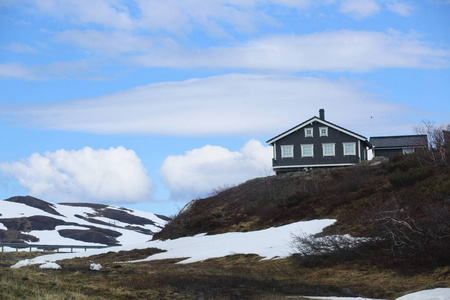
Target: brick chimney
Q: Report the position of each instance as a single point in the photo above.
(322, 114)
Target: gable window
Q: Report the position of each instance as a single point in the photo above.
(287, 151)
(328, 149)
(308, 132)
(323, 131)
(307, 150)
(349, 148)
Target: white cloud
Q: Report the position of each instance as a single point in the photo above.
(106, 13)
(344, 50)
(175, 16)
(20, 48)
(199, 171)
(114, 42)
(227, 105)
(113, 175)
(402, 9)
(359, 9)
(17, 71)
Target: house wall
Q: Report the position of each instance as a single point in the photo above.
(334, 136)
(389, 153)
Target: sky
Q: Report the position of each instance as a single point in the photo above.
(149, 104)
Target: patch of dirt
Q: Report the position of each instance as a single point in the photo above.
(101, 236)
(27, 224)
(36, 203)
(14, 236)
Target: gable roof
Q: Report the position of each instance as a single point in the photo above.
(326, 123)
(419, 140)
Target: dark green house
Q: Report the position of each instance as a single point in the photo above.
(317, 143)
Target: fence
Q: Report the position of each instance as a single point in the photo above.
(18, 246)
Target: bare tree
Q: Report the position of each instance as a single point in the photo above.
(438, 151)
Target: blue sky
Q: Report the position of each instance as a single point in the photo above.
(149, 104)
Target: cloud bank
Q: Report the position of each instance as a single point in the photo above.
(227, 105)
(86, 175)
(199, 171)
(336, 51)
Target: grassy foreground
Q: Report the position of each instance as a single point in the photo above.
(232, 277)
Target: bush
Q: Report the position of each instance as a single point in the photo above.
(329, 249)
(410, 177)
(410, 233)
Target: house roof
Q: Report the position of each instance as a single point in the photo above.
(399, 141)
(326, 123)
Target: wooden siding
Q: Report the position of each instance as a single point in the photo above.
(335, 137)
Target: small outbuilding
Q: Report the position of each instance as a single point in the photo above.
(317, 143)
(388, 146)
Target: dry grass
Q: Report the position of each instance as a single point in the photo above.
(231, 277)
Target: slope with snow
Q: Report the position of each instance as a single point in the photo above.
(34, 221)
(275, 242)
(272, 243)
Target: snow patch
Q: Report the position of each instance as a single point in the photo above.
(269, 243)
(94, 267)
(338, 298)
(50, 265)
(435, 294)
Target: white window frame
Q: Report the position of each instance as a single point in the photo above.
(344, 149)
(309, 134)
(303, 151)
(323, 128)
(291, 147)
(329, 154)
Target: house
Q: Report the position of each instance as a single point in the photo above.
(317, 143)
(388, 146)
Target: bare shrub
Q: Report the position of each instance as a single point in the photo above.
(311, 248)
(410, 233)
(438, 152)
(220, 189)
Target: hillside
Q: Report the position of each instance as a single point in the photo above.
(403, 204)
(31, 220)
(368, 200)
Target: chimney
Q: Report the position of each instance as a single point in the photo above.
(322, 114)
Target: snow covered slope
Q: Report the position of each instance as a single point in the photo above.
(271, 243)
(34, 221)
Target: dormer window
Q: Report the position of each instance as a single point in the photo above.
(323, 131)
(308, 132)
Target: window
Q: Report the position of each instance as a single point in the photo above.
(287, 151)
(328, 149)
(323, 131)
(349, 148)
(408, 150)
(308, 132)
(307, 150)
